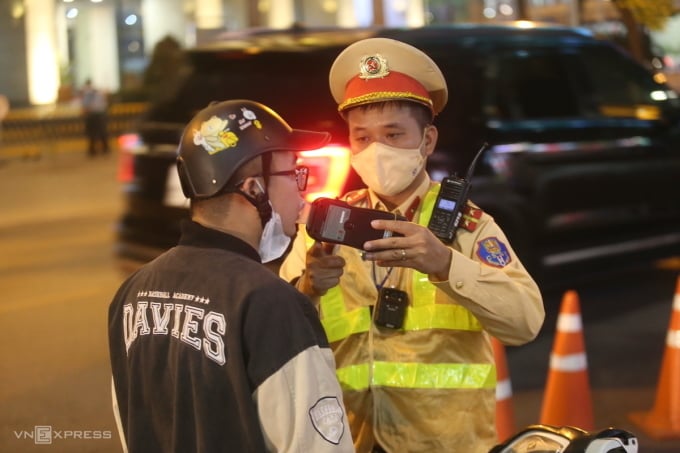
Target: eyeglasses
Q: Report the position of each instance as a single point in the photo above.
(300, 172)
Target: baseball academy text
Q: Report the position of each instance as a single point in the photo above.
(181, 321)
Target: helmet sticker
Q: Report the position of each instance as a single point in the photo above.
(215, 134)
(493, 252)
(326, 416)
(249, 119)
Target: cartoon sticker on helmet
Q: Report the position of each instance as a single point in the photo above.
(493, 252)
(214, 135)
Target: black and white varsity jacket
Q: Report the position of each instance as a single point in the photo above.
(212, 352)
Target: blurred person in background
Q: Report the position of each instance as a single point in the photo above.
(95, 105)
(4, 111)
(427, 382)
(165, 71)
(210, 350)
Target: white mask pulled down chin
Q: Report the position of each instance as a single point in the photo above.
(273, 241)
(388, 170)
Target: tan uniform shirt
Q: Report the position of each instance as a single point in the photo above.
(487, 279)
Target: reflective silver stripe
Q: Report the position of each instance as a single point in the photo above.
(569, 322)
(503, 390)
(673, 339)
(569, 362)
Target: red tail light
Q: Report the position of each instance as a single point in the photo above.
(328, 170)
(126, 164)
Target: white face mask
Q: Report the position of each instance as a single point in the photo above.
(274, 241)
(388, 170)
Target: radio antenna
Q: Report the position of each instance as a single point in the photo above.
(471, 168)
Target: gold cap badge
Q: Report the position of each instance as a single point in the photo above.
(373, 66)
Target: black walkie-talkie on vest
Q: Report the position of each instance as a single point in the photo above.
(451, 200)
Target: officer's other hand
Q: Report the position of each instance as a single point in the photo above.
(322, 270)
(419, 249)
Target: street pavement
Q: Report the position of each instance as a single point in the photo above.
(57, 230)
(623, 350)
(57, 277)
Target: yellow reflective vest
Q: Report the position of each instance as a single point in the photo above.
(427, 387)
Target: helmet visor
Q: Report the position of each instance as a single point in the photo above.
(303, 140)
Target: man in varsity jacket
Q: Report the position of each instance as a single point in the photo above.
(210, 350)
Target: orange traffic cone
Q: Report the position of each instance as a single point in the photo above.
(505, 416)
(567, 400)
(663, 421)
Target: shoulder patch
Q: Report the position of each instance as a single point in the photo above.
(470, 217)
(493, 252)
(356, 196)
(327, 418)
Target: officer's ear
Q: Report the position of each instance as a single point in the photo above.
(430, 139)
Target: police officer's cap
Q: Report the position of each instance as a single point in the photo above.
(383, 69)
(225, 135)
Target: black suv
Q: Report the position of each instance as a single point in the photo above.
(583, 167)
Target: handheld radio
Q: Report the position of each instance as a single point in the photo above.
(451, 199)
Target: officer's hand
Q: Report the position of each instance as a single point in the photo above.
(419, 249)
(322, 270)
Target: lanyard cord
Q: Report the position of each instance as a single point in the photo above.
(409, 215)
(375, 279)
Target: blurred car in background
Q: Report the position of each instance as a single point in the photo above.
(583, 167)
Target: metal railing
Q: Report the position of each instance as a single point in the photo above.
(32, 131)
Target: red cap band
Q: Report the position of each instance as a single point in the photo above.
(394, 86)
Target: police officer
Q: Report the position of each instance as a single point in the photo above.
(210, 350)
(425, 382)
